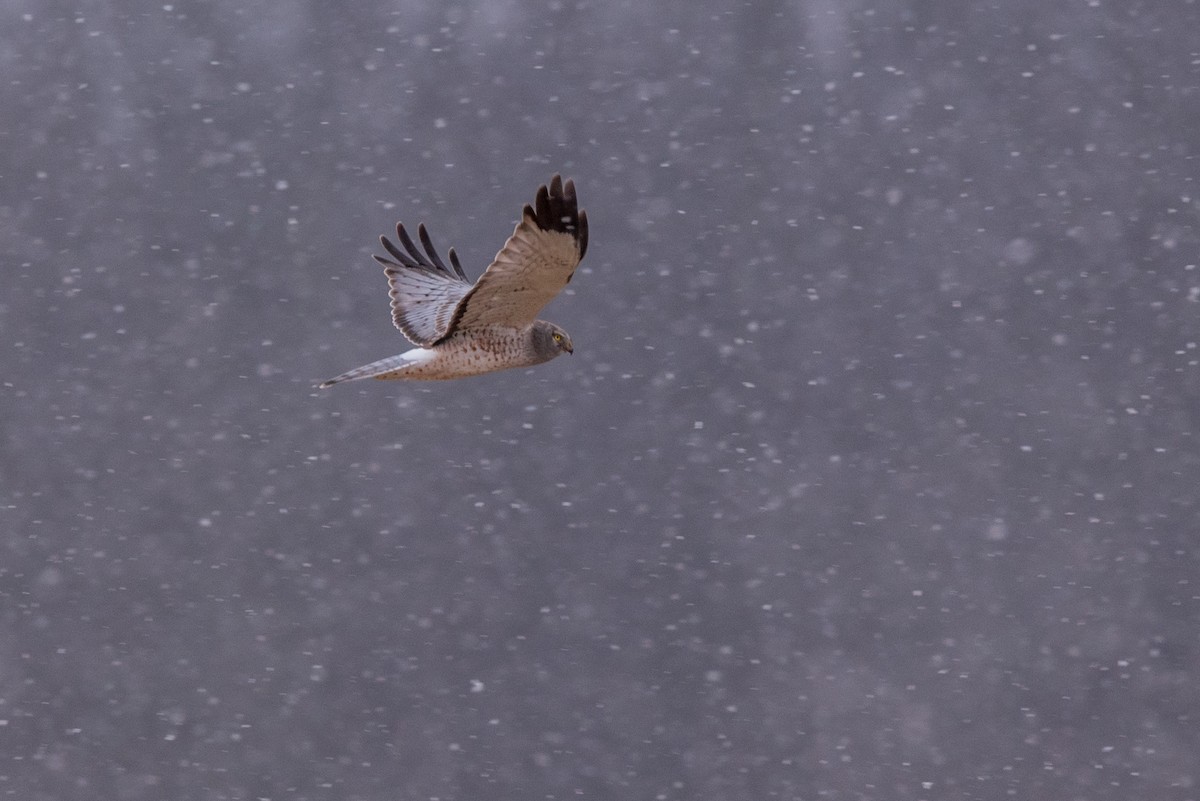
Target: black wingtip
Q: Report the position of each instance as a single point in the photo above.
(556, 208)
(430, 250)
(406, 254)
(413, 253)
(393, 251)
(542, 206)
(454, 262)
(582, 236)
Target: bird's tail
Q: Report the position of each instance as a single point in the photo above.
(391, 367)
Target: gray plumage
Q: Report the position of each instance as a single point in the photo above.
(462, 329)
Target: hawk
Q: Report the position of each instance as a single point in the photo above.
(463, 329)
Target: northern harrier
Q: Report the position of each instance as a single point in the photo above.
(462, 329)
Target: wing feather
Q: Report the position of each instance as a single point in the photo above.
(534, 265)
(430, 301)
(424, 293)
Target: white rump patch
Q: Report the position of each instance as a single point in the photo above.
(418, 355)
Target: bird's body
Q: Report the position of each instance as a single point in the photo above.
(462, 329)
(487, 350)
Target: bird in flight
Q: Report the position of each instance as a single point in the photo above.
(463, 329)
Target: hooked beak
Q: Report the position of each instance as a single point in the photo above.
(569, 349)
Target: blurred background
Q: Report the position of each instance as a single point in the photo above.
(873, 475)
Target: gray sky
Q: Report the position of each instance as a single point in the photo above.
(873, 474)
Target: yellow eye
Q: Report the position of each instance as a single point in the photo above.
(558, 337)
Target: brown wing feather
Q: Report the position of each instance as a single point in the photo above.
(534, 265)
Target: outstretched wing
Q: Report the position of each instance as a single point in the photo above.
(424, 293)
(534, 265)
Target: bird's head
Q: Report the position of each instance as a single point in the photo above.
(549, 340)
